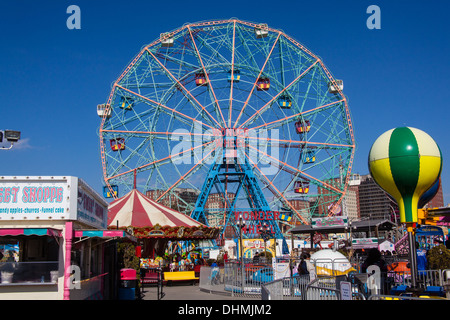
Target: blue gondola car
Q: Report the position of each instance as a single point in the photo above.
(236, 76)
(309, 157)
(285, 102)
(107, 193)
(126, 103)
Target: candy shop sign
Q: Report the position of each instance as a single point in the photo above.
(51, 198)
(33, 198)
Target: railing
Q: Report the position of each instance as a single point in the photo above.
(211, 279)
(29, 272)
(431, 281)
(292, 288)
(300, 288)
(258, 281)
(246, 280)
(390, 297)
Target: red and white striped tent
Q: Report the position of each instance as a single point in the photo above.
(150, 219)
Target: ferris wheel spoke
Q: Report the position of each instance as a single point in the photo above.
(279, 122)
(274, 188)
(214, 52)
(230, 103)
(164, 134)
(299, 143)
(133, 153)
(256, 81)
(188, 173)
(181, 86)
(326, 185)
(173, 111)
(248, 52)
(167, 159)
(208, 82)
(268, 104)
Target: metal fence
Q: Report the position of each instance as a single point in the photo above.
(292, 288)
(301, 288)
(211, 279)
(259, 281)
(236, 279)
(246, 279)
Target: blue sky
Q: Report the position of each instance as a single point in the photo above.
(52, 78)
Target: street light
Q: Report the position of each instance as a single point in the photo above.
(11, 136)
(241, 225)
(264, 230)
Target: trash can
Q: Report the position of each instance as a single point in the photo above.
(128, 284)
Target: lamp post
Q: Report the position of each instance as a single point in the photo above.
(241, 225)
(264, 230)
(11, 136)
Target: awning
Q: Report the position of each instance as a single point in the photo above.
(357, 226)
(104, 234)
(30, 232)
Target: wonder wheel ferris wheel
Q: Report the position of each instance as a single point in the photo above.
(238, 115)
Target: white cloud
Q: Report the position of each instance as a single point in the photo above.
(19, 145)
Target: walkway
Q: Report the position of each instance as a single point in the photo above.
(188, 292)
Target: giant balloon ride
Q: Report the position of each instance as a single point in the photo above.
(406, 162)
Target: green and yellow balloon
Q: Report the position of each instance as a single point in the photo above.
(405, 162)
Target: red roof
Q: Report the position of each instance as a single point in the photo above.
(136, 210)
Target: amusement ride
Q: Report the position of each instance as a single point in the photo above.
(233, 109)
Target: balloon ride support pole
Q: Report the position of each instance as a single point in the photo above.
(412, 257)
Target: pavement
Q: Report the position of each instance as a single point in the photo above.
(188, 292)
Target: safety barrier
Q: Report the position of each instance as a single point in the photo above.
(388, 297)
(292, 288)
(300, 288)
(258, 281)
(245, 280)
(433, 282)
(211, 279)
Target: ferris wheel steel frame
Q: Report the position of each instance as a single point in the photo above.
(210, 107)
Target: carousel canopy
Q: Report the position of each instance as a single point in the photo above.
(138, 211)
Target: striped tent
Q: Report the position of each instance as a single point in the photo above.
(148, 218)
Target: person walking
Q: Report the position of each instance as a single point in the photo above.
(374, 258)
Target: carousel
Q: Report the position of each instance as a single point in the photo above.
(167, 237)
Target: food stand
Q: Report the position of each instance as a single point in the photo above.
(47, 250)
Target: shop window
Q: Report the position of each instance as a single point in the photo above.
(29, 259)
(87, 256)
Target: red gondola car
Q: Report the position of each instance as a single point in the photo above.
(302, 126)
(200, 79)
(117, 144)
(301, 186)
(263, 83)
